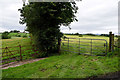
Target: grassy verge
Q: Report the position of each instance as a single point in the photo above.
(65, 66)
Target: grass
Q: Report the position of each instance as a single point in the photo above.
(66, 65)
(13, 45)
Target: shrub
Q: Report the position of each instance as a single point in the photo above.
(24, 36)
(80, 35)
(106, 35)
(90, 34)
(18, 35)
(15, 31)
(6, 35)
(76, 34)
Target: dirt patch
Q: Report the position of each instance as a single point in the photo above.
(14, 64)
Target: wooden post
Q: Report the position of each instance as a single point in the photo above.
(118, 41)
(91, 46)
(20, 53)
(110, 41)
(79, 46)
(112, 37)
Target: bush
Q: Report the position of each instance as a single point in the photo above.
(14, 31)
(80, 35)
(18, 35)
(76, 34)
(24, 36)
(106, 35)
(6, 35)
(90, 34)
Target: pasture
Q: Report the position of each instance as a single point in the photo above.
(65, 65)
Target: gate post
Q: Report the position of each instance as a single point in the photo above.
(91, 46)
(111, 41)
(79, 45)
(20, 53)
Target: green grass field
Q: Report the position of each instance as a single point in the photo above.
(66, 65)
(13, 50)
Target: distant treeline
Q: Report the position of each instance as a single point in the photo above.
(13, 33)
(80, 35)
(90, 34)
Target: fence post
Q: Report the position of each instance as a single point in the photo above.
(20, 53)
(91, 46)
(110, 41)
(79, 45)
(119, 43)
(59, 45)
(68, 44)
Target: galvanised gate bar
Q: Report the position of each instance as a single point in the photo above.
(87, 46)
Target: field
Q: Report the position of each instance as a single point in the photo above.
(13, 48)
(65, 65)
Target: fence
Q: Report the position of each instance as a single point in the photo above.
(18, 53)
(95, 47)
(114, 43)
(117, 44)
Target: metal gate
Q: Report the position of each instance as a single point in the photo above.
(87, 46)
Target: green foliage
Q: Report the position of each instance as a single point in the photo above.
(76, 34)
(5, 35)
(24, 35)
(44, 24)
(80, 35)
(14, 31)
(18, 35)
(107, 35)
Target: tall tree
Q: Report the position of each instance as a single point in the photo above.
(43, 21)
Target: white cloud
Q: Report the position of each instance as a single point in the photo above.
(94, 16)
(10, 15)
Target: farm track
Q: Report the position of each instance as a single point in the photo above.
(6, 60)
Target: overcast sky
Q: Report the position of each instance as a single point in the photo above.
(94, 16)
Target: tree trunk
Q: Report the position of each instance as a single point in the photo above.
(59, 45)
